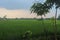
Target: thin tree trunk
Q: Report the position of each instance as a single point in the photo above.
(55, 26)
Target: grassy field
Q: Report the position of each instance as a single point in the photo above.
(10, 29)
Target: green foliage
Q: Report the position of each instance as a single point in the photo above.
(39, 9)
(27, 35)
(53, 2)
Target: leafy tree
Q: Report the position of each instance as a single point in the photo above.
(50, 3)
(40, 9)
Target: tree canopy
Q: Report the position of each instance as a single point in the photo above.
(53, 2)
(39, 9)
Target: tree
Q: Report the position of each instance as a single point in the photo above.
(40, 9)
(50, 3)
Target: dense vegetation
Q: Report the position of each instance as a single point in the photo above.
(13, 29)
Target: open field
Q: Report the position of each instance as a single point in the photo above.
(10, 29)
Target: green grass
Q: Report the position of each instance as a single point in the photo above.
(14, 28)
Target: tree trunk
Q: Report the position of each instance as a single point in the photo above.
(55, 25)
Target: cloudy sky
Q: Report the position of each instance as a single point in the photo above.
(17, 4)
(19, 9)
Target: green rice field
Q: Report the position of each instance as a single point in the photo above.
(10, 29)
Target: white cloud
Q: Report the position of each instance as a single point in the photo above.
(20, 13)
(16, 13)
